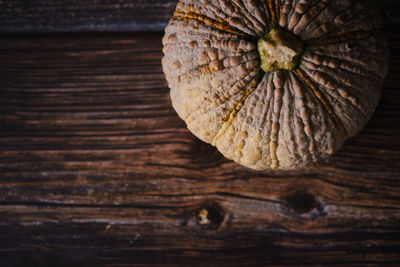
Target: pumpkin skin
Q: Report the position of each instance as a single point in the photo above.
(272, 115)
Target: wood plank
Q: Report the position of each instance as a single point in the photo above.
(96, 167)
(84, 15)
(107, 15)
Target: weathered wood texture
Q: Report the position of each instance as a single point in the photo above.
(107, 15)
(97, 168)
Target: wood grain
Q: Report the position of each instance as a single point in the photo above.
(108, 15)
(97, 168)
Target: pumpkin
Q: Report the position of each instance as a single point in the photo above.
(275, 83)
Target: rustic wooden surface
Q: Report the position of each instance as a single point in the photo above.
(108, 15)
(97, 169)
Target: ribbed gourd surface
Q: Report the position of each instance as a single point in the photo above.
(282, 115)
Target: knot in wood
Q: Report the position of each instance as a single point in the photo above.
(210, 216)
(279, 49)
(300, 202)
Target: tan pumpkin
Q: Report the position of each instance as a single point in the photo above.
(275, 84)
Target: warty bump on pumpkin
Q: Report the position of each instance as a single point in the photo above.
(275, 83)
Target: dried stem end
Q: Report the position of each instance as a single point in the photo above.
(279, 49)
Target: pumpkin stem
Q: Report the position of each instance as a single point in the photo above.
(279, 49)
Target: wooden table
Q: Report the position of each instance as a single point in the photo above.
(96, 168)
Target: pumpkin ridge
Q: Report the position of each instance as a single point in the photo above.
(272, 10)
(221, 10)
(218, 25)
(292, 16)
(250, 74)
(323, 6)
(354, 35)
(340, 78)
(283, 15)
(290, 110)
(346, 11)
(244, 17)
(307, 128)
(342, 20)
(342, 56)
(351, 99)
(342, 91)
(253, 74)
(317, 93)
(204, 31)
(278, 81)
(239, 52)
(278, 12)
(337, 27)
(244, 92)
(269, 101)
(207, 68)
(268, 16)
(343, 65)
(266, 124)
(269, 113)
(231, 116)
(246, 14)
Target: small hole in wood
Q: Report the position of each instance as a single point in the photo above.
(349, 46)
(300, 202)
